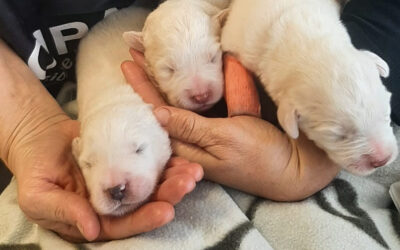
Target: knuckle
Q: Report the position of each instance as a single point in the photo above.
(59, 213)
(188, 128)
(160, 217)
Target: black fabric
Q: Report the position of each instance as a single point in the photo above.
(5, 177)
(46, 33)
(375, 25)
(234, 238)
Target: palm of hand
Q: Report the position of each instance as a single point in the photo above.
(51, 190)
(51, 180)
(51, 161)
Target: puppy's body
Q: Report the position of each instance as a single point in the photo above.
(121, 149)
(320, 82)
(99, 59)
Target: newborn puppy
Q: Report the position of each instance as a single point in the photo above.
(180, 41)
(121, 149)
(320, 82)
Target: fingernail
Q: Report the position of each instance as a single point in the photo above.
(79, 225)
(162, 115)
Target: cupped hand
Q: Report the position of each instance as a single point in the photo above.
(242, 152)
(51, 189)
(35, 144)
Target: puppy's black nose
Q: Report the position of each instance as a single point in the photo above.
(117, 193)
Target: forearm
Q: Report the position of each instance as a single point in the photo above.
(26, 106)
(308, 170)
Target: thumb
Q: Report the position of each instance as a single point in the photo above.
(185, 125)
(70, 208)
(136, 77)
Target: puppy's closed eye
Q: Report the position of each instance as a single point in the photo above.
(164, 69)
(168, 70)
(214, 57)
(86, 165)
(335, 132)
(342, 137)
(140, 149)
(345, 134)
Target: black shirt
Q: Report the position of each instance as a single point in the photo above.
(46, 33)
(375, 25)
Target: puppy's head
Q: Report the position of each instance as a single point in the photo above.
(342, 105)
(183, 55)
(121, 158)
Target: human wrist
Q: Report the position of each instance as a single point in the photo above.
(26, 106)
(22, 127)
(312, 169)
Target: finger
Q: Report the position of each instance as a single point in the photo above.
(175, 188)
(136, 77)
(65, 231)
(210, 163)
(138, 58)
(192, 169)
(147, 218)
(67, 208)
(186, 126)
(72, 239)
(176, 161)
(240, 92)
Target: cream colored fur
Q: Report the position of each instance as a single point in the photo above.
(180, 41)
(120, 142)
(321, 83)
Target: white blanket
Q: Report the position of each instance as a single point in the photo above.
(351, 213)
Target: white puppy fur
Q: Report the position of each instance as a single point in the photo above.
(121, 149)
(320, 82)
(180, 40)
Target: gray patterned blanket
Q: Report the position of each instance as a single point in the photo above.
(351, 213)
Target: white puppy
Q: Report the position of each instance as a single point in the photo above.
(319, 81)
(180, 40)
(121, 149)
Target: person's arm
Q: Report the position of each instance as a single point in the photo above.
(35, 144)
(242, 152)
(25, 105)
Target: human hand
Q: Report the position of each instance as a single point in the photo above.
(35, 144)
(242, 152)
(51, 190)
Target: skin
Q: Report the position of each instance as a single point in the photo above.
(35, 144)
(242, 152)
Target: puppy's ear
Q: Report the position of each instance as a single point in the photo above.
(288, 118)
(221, 17)
(382, 66)
(134, 39)
(76, 147)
